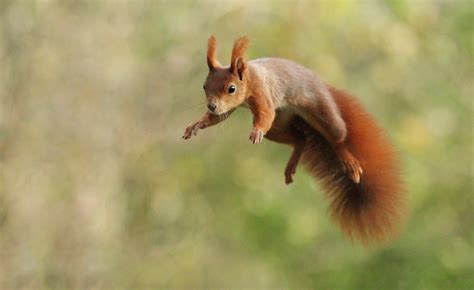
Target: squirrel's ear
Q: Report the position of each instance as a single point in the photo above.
(239, 67)
(237, 62)
(212, 61)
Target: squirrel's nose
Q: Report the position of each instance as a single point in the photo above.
(211, 106)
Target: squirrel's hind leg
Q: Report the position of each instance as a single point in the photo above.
(326, 119)
(297, 140)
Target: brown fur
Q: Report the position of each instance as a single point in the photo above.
(239, 49)
(237, 62)
(372, 210)
(336, 139)
(212, 61)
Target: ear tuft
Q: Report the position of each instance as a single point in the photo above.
(237, 62)
(212, 61)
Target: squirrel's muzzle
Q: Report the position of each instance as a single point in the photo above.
(212, 105)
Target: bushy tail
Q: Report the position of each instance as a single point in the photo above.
(371, 211)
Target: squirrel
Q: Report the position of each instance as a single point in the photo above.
(339, 143)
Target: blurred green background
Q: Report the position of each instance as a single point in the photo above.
(98, 190)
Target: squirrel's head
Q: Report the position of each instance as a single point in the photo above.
(226, 87)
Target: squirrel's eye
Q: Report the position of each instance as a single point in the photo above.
(204, 87)
(231, 89)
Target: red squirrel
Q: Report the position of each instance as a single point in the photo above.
(330, 132)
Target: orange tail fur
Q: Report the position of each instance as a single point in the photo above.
(371, 211)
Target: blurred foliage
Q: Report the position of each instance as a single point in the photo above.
(97, 189)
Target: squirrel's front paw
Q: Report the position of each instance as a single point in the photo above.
(256, 136)
(192, 130)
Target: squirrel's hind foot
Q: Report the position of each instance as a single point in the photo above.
(352, 168)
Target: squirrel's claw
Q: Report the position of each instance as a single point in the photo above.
(191, 130)
(256, 136)
(353, 169)
(290, 170)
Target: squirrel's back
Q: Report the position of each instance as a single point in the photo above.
(284, 78)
